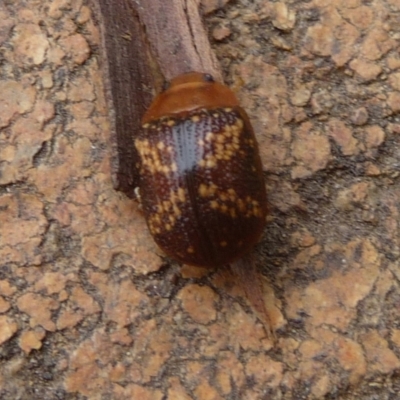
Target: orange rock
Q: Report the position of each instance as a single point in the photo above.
(199, 302)
(351, 357)
(230, 374)
(374, 136)
(176, 390)
(76, 47)
(30, 44)
(366, 70)
(381, 359)
(343, 136)
(8, 327)
(266, 373)
(311, 150)
(31, 340)
(16, 98)
(4, 305)
(39, 309)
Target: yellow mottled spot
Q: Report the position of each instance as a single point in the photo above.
(223, 243)
(207, 191)
(143, 143)
(173, 196)
(228, 109)
(195, 118)
(151, 157)
(228, 128)
(214, 204)
(224, 208)
(223, 196)
(209, 136)
(203, 191)
(200, 142)
(181, 195)
(219, 148)
(146, 125)
(170, 122)
(168, 227)
(211, 163)
(190, 250)
(177, 211)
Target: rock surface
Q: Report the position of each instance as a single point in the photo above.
(91, 309)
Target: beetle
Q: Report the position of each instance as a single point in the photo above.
(201, 182)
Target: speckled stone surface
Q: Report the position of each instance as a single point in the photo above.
(91, 309)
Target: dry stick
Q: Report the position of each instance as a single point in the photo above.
(128, 84)
(245, 272)
(174, 33)
(179, 44)
(177, 37)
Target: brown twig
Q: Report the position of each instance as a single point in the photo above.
(173, 32)
(246, 275)
(132, 29)
(128, 83)
(177, 37)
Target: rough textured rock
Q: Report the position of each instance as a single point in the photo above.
(91, 309)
